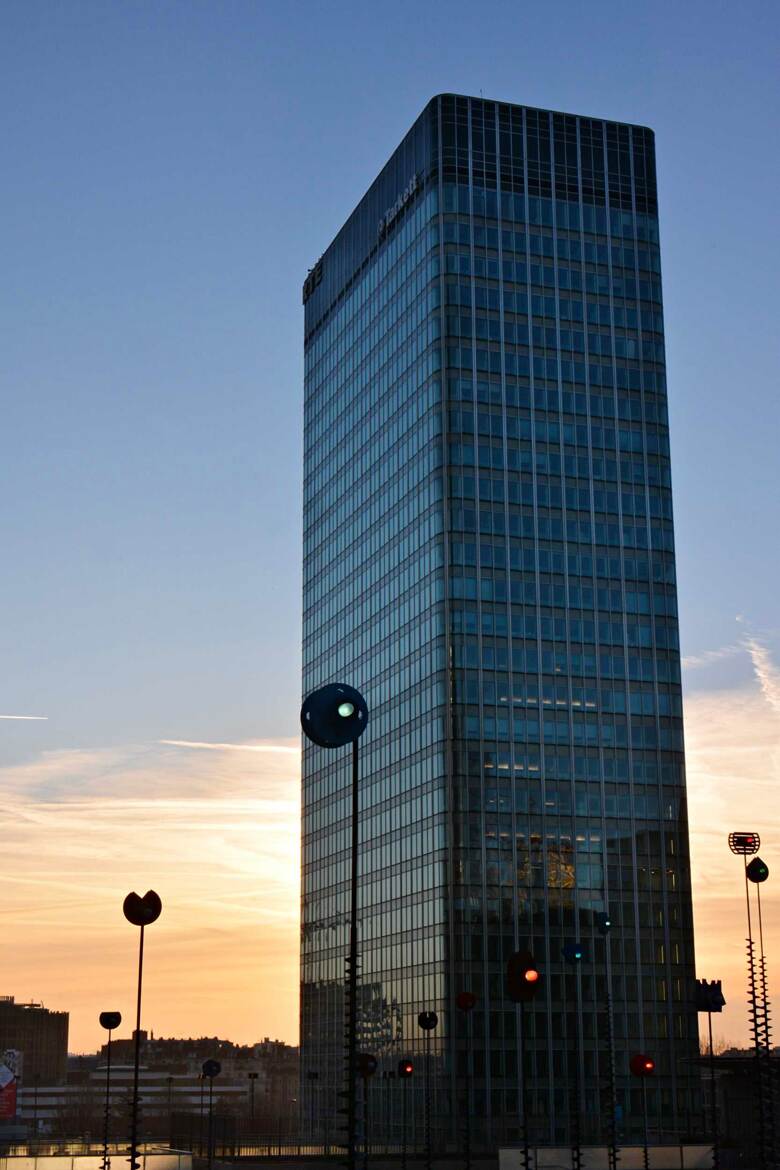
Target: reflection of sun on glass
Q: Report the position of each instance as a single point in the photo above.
(346, 709)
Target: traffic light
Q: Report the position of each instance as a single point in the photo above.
(366, 1063)
(758, 870)
(465, 1001)
(744, 844)
(642, 1065)
(211, 1068)
(522, 977)
(427, 1021)
(603, 923)
(573, 952)
(405, 1068)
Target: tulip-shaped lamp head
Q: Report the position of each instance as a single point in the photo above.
(334, 715)
(142, 911)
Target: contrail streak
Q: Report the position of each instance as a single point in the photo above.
(24, 716)
(231, 747)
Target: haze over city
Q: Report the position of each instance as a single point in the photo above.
(176, 171)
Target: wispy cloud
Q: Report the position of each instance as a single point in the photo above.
(707, 657)
(232, 747)
(766, 672)
(31, 717)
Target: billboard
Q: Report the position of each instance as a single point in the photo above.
(10, 1075)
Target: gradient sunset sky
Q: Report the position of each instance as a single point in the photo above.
(171, 171)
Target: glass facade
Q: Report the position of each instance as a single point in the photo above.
(489, 558)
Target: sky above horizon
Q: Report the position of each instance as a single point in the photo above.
(171, 171)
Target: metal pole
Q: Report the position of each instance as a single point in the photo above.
(524, 1091)
(756, 1022)
(428, 1153)
(365, 1123)
(713, 1106)
(404, 1110)
(613, 1144)
(134, 1163)
(469, 1055)
(766, 1081)
(106, 1161)
(200, 1123)
(211, 1124)
(574, 1098)
(644, 1116)
(352, 976)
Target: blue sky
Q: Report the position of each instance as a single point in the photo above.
(170, 172)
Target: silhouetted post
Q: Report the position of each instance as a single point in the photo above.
(211, 1069)
(744, 845)
(404, 1123)
(202, 1080)
(109, 1021)
(428, 1021)
(252, 1078)
(36, 1083)
(465, 1001)
(709, 999)
(573, 953)
(643, 1066)
(604, 925)
(139, 912)
(332, 717)
(523, 982)
(405, 1071)
(170, 1108)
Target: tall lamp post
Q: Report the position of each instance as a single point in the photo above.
(332, 717)
(252, 1079)
(109, 1021)
(211, 1069)
(465, 1002)
(140, 912)
(709, 999)
(573, 953)
(604, 925)
(745, 845)
(428, 1020)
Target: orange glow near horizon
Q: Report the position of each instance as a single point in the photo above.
(214, 829)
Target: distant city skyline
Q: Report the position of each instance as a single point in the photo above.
(175, 172)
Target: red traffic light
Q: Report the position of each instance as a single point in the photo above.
(744, 844)
(465, 1001)
(641, 1065)
(405, 1068)
(523, 978)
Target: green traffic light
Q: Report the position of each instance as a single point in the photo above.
(346, 709)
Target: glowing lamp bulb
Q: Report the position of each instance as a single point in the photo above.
(531, 976)
(346, 709)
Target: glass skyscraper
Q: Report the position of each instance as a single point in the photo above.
(489, 558)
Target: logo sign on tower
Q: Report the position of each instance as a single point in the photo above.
(392, 213)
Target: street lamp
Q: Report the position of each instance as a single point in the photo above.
(252, 1078)
(332, 717)
(140, 912)
(109, 1021)
(211, 1069)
